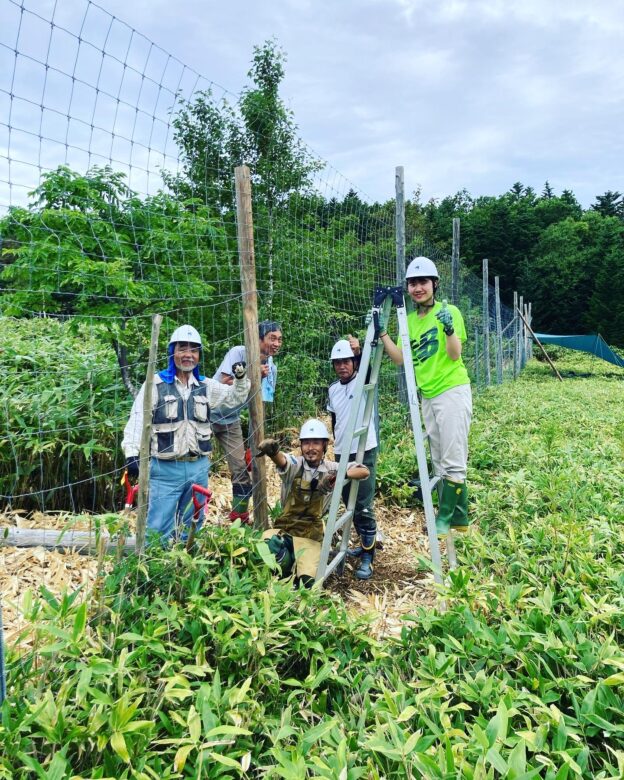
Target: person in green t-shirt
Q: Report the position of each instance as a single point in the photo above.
(436, 333)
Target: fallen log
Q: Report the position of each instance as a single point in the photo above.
(83, 542)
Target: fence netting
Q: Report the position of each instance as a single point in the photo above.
(117, 202)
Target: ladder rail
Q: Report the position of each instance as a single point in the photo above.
(419, 443)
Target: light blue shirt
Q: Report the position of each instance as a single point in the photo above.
(236, 355)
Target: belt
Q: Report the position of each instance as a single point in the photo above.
(189, 458)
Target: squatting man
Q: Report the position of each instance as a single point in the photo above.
(307, 484)
(181, 432)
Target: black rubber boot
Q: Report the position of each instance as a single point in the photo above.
(365, 570)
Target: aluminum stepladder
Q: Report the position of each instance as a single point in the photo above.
(372, 353)
(361, 409)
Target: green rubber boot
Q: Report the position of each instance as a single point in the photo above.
(449, 496)
(460, 521)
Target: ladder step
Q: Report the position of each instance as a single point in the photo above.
(360, 431)
(433, 482)
(343, 519)
(370, 386)
(334, 563)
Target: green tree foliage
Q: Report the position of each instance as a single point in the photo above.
(259, 131)
(611, 204)
(567, 262)
(88, 247)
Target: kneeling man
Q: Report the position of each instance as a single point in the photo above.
(307, 484)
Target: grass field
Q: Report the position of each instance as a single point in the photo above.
(208, 667)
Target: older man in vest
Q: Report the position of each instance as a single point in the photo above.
(181, 432)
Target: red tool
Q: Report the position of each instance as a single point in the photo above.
(199, 505)
(131, 490)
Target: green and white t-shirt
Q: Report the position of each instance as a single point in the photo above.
(435, 371)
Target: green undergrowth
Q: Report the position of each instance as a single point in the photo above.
(207, 666)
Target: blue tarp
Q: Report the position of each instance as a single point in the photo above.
(595, 345)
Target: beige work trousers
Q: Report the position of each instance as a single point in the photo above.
(447, 422)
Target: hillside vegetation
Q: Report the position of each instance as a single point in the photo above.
(206, 666)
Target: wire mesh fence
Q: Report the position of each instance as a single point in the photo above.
(117, 202)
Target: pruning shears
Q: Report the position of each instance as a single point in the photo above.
(131, 490)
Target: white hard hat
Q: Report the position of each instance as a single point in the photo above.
(422, 266)
(313, 429)
(340, 350)
(186, 333)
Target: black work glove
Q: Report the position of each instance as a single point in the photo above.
(132, 466)
(268, 447)
(239, 370)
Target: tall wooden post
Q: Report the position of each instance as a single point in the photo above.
(399, 188)
(455, 291)
(516, 336)
(477, 357)
(399, 191)
(527, 338)
(146, 436)
(244, 220)
(486, 325)
(522, 339)
(499, 333)
(530, 323)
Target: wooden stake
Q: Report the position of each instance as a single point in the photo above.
(516, 335)
(399, 221)
(486, 324)
(244, 219)
(146, 436)
(455, 263)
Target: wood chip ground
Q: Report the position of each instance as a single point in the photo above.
(398, 587)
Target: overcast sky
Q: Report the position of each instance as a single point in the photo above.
(474, 94)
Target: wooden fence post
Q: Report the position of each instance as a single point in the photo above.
(522, 339)
(455, 290)
(516, 334)
(486, 324)
(399, 189)
(499, 333)
(146, 436)
(244, 226)
(477, 356)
